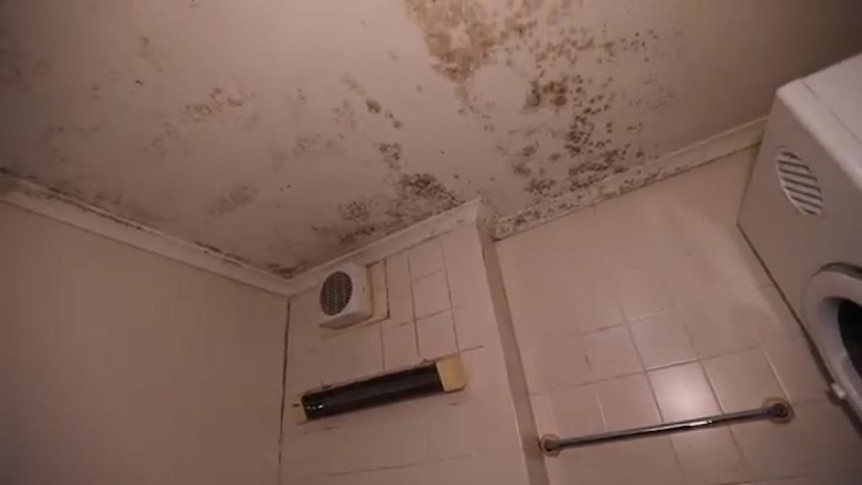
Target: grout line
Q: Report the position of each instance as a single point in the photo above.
(380, 323)
(283, 394)
(762, 348)
(678, 459)
(739, 451)
(413, 318)
(644, 370)
(449, 292)
(595, 391)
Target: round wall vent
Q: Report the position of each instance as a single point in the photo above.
(335, 293)
(799, 183)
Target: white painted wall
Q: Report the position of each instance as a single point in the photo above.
(288, 132)
(119, 366)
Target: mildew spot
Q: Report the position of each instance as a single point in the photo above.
(520, 162)
(125, 215)
(373, 105)
(146, 52)
(167, 139)
(417, 196)
(356, 211)
(395, 121)
(345, 118)
(462, 38)
(235, 199)
(391, 154)
(287, 271)
(539, 187)
(458, 34)
(553, 94)
(216, 104)
(426, 188)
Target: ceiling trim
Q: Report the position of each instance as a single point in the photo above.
(54, 205)
(68, 210)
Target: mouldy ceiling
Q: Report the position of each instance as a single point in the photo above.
(286, 132)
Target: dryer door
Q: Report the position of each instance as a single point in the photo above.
(833, 317)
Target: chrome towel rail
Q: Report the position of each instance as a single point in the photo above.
(775, 410)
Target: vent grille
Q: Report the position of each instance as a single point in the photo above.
(335, 293)
(799, 183)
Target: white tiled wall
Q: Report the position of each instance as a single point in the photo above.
(651, 307)
(441, 303)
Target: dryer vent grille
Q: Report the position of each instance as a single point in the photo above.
(799, 183)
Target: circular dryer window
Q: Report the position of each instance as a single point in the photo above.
(833, 318)
(849, 316)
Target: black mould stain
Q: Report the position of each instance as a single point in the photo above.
(217, 103)
(146, 52)
(373, 105)
(239, 260)
(535, 38)
(520, 162)
(540, 187)
(301, 97)
(396, 123)
(235, 199)
(417, 196)
(425, 187)
(344, 117)
(167, 140)
(227, 256)
(551, 94)
(356, 211)
(125, 215)
(459, 34)
(286, 271)
(391, 153)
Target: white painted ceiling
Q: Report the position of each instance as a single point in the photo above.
(286, 132)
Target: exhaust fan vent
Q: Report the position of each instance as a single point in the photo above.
(345, 297)
(336, 293)
(799, 183)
